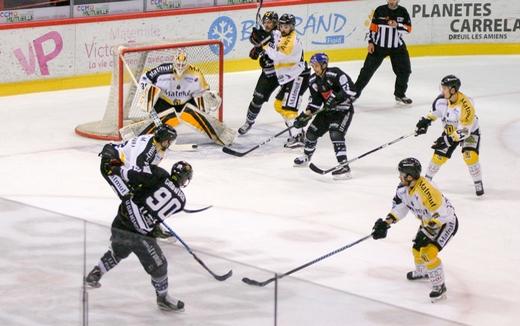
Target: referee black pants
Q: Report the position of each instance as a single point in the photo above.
(400, 60)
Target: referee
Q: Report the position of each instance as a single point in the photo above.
(388, 25)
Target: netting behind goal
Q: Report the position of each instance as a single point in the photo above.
(207, 55)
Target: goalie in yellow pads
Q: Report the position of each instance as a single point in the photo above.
(438, 223)
(183, 88)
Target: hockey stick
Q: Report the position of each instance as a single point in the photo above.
(197, 210)
(264, 283)
(258, 17)
(216, 276)
(231, 151)
(339, 166)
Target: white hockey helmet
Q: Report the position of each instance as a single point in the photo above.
(180, 61)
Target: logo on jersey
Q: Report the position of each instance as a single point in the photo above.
(223, 29)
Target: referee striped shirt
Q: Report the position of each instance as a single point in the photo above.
(382, 34)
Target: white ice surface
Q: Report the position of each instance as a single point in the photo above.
(269, 214)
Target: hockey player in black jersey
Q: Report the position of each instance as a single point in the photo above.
(137, 226)
(331, 88)
(137, 154)
(267, 82)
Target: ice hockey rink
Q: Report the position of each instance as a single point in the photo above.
(267, 216)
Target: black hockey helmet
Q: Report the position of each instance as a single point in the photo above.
(451, 81)
(270, 16)
(410, 167)
(165, 132)
(181, 174)
(287, 19)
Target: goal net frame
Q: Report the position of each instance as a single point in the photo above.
(88, 129)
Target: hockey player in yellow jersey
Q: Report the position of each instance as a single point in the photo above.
(438, 223)
(292, 72)
(457, 113)
(184, 87)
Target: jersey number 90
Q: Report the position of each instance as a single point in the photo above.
(163, 203)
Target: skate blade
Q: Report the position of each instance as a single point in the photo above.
(346, 176)
(442, 297)
(301, 165)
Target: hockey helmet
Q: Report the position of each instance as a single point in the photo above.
(270, 16)
(321, 58)
(288, 19)
(181, 174)
(165, 132)
(451, 81)
(180, 61)
(410, 167)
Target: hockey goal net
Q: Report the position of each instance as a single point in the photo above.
(130, 62)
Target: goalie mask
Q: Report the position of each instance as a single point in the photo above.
(181, 174)
(180, 61)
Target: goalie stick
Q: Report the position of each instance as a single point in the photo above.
(316, 169)
(279, 276)
(216, 276)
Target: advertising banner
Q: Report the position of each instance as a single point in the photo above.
(84, 49)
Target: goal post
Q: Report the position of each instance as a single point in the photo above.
(131, 61)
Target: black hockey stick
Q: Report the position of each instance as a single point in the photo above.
(216, 276)
(264, 283)
(197, 210)
(258, 17)
(339, 166)
(231, 151)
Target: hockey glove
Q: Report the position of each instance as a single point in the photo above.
(442, 143)
(380, 229)
(422, 126)
(302, 120)
(158, 232)
(433, 226)
(330, 102)
(255, 53)
(259, 37)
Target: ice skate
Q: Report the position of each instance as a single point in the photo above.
(92, 279)
(295, 141)
(342, 174)
(168, 303)
(479, 188)
(416, 275)
(302, 161)
(403, 100)
(438, 293)
(245, 128)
